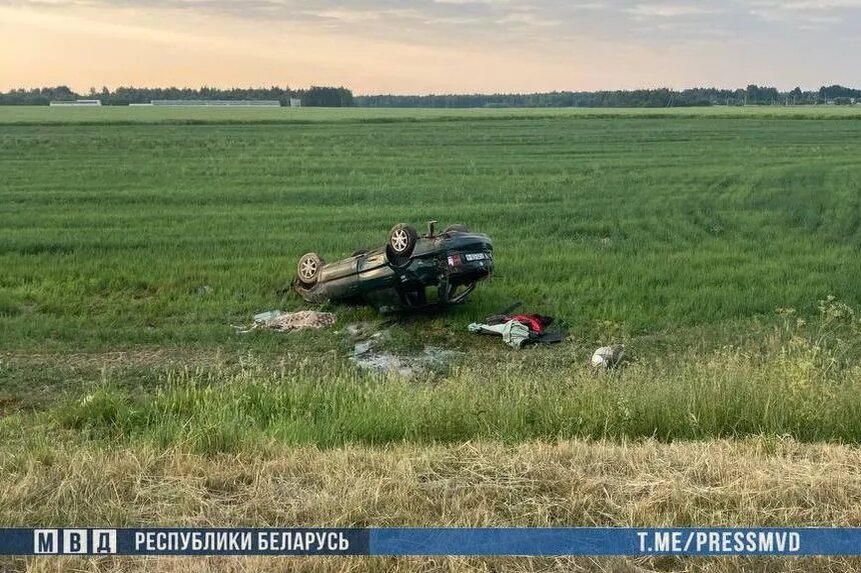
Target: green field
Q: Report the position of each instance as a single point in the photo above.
(672, 233)
(721, 245)
(651, 224)
(119, 114)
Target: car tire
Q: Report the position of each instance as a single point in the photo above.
(308, 268)
(456, 229)
(402, 241)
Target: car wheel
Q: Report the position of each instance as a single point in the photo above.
(309, 268)
(456, 229)
(402, 241)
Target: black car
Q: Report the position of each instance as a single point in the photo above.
(398, 276)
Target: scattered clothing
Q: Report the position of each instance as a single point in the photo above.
(290, 321)
(518, 330)
(514, 333)
(535, 322)
(608, 356)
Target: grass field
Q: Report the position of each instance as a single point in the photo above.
(722, 245)
(122, 114)
(110, 231)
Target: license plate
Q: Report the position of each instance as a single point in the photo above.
(475, 257)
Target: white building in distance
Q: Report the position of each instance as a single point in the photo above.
(77, 103)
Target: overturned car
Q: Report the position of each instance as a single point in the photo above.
(400, 275)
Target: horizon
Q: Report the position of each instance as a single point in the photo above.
(423, 47)
(113, 89)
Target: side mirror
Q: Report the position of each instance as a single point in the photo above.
(431, 228)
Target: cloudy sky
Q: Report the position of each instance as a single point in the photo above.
(430, 46)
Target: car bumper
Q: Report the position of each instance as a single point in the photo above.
(468, 267)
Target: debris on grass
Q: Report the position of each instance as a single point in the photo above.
(289, 321)
(264, 317)
(368, 355)
(365, 346)
(608, 357)
(431, 359)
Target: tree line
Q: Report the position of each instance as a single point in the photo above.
(317, 96)
(663, 97)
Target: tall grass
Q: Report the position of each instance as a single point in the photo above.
(803, 384)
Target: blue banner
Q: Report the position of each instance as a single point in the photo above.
(707, 541)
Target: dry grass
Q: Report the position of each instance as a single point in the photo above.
(755, 482)
(439, 565)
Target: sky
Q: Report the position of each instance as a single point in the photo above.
(430, 46)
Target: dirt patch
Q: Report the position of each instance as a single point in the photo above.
(371, 354)
(113, 359)
(432, 359)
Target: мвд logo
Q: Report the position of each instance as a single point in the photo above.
(74, 541)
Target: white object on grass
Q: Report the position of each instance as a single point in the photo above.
(607, 356)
